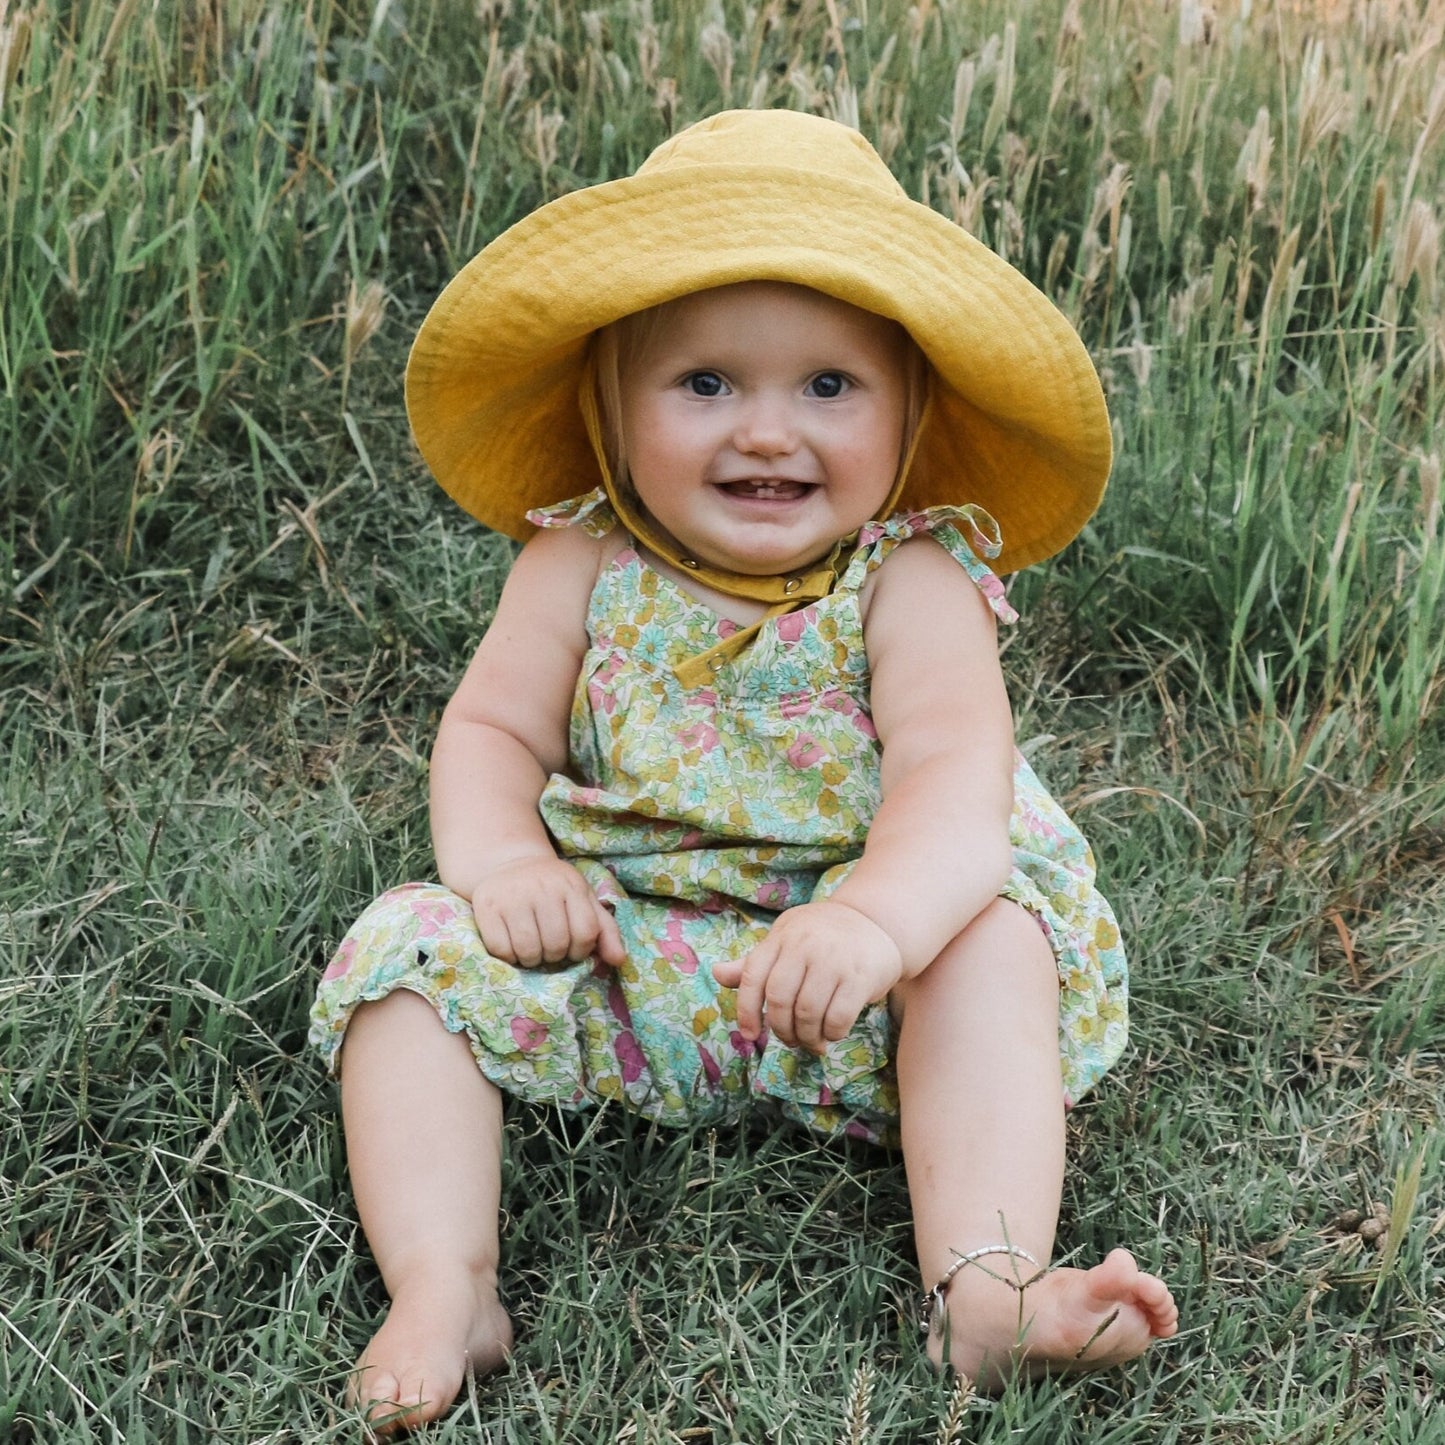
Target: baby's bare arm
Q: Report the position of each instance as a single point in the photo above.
(502, 734)
(938, 849)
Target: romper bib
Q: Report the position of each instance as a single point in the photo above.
(697, 814)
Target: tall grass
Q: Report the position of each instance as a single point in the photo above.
(1238, 210)
(234, 605)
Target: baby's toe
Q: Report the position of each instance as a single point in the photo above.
(369, 1384)
(1157, 1303)
(385, 1401)
(1165, 1320)
(1113, 1280)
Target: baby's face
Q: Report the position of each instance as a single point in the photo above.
(763, 422)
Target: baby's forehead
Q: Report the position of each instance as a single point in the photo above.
(758, 313)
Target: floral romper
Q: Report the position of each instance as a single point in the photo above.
(697, 814)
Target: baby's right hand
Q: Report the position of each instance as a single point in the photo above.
(540, 910)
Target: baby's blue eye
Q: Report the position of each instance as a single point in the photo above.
(828, 385)
(705, 383)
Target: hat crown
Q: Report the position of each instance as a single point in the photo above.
(784, 138)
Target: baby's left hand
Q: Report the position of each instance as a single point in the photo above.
(819, 966)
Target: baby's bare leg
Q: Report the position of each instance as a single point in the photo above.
(423, 1141)
(983, 1144)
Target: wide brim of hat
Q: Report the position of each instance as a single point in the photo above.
(1017, 425)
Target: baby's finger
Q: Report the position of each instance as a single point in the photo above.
(843, 1010)
(752, 978)
(728, 973)
(582, 926)
(810, 1009)
(522, 934)
(609, 937)
(554, 931)
(785, 979)
(493, 932)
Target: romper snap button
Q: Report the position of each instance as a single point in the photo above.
(791, 585)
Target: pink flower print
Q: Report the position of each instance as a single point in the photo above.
(805, 752)
(434, 916)
(746, 1048)
(825, 1097)
(710, 1067)
(726, 627)
(676, 950)
(342, 961)
(600, 682)
(772, 895)
(700, 735)
(607, 890)
(529, 1033)
(791, 625)
(617, 1003)
(629, 1057)
(795, 707)
(602, 701)
(840, 702)
(990, 586)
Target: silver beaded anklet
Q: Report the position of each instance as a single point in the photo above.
(934, 1311)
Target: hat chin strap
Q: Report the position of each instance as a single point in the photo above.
(783, 593)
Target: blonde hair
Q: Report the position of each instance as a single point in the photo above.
(618, 346)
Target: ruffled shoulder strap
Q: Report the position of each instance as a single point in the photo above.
(592, 512)
(968, 534)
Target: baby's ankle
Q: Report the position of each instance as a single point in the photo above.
(989, 1324)
(434, 1268)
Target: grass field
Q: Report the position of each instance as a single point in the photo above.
(233, 606)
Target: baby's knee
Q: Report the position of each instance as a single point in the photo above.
(1004, 937)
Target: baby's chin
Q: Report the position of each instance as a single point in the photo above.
(763, 555)
(778, 565)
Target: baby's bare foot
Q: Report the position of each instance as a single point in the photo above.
(437, 1331)
(1065, 1320)
(1086, 1319)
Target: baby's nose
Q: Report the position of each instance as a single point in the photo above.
(766, 427)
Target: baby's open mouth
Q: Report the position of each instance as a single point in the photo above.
(771, 490)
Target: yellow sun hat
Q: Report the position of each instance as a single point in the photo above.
(1017, 422)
